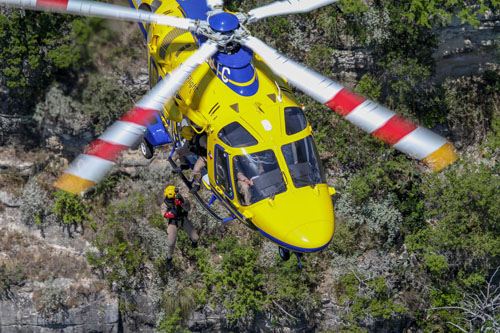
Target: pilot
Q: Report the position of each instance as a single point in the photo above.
(175, 208)
(196, 144)
(243, 182)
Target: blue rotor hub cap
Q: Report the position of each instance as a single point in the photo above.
(223, 22)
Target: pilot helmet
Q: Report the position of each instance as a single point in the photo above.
(187, 132)
(170, 191)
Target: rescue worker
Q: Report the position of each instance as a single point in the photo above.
(175, 208)
(196, 144)
(243, 182)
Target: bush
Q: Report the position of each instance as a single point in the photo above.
(50, 298)
(34, 203)
(69, 208)
(10, 278)
(366, 299)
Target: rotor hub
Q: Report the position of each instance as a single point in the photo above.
(223, 22)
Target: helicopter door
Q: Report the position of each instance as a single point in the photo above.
(222, 175)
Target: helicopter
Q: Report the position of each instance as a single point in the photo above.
(207, 72)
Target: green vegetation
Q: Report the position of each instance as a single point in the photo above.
(366, 297)
(120, 255)
(69, 208)
(10, 278)
(409, 248)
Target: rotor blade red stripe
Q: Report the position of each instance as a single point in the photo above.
(139, 115)
(105, 150)
(60, 4)
(344, 102)
(394, 130)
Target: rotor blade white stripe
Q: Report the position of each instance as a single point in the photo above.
(123, 133)
(104, 10)
(420, 143)
(310, 82)
(164, 90)
(369, 116)
(286, 7)
(89, 167)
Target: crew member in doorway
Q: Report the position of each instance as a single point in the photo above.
(175, 208)
(196, 144)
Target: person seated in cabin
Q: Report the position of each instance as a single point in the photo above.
(195, 144)
(244, 177)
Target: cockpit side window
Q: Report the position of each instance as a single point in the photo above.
(303, 162)
(235, 135)
(294, 120)
(257, 176)
(222, 176)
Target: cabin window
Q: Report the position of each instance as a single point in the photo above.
(303, 162)
(294, 120)
(257, 176)
(222, 177)
(235, 135)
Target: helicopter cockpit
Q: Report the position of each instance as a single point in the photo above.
(258, 176)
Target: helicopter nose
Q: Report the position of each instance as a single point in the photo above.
(312, 235)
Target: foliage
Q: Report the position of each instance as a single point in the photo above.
(33, 42)
(369, 87)
(238, 283)
(291, 289)
(50, 298)
(171, 324)
(178, 306)
(104, 100)
(379, 218)
(366, 297)
(120, 255)
(10, 278)
(34, 203)
(463, 205)
(69, 208)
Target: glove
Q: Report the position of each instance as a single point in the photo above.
(178, 202)
(169, 215)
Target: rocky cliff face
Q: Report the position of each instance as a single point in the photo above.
(60, 291)
(465, 50)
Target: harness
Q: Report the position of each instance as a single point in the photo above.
(180, 213)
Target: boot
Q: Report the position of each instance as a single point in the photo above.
(194, 189)
(169, 263)
(194, 244)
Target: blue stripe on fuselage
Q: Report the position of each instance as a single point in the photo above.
(291, 247)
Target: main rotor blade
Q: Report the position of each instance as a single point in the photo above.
(104, 10)
(286, 7)
(413, 140)
(94, 163)
(215, 4)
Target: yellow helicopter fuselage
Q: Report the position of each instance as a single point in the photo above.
(227, 92)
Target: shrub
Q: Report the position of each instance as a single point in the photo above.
(34, 203)
(366, 299)
(10, 278)
(50, 298)
(69, 208)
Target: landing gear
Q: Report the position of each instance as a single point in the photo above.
(147, 149)
(284, 253)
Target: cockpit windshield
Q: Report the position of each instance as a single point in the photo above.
(303, 162)
(258, 176)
